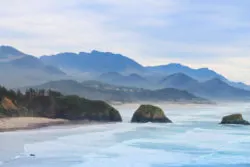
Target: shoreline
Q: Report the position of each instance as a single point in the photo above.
(29, 123)
(116, 103)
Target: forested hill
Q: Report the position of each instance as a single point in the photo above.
(52, 104)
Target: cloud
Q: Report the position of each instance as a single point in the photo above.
(54, 26)
(198, 33)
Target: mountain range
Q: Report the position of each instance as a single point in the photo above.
(201, 74)
(96, 90)
(94, 62)
(132, 80)
(175, 87)
(97, 62)
(213, 89)
(20, 70)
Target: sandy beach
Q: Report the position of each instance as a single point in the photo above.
(22, 123)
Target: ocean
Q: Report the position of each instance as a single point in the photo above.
(195, 139)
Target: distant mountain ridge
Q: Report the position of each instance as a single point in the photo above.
(178, 80)
(133, 80)
(95, 90)
(105, 62)
(95, 61)
(214, 88)
(30, 70)
(201, 74)
(14, 57)
(172, 68)
(176, 87)
(8, 52)
(18, 68)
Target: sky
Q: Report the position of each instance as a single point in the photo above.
(197, 33)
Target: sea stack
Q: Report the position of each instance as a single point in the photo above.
(149, 113)
(234, 119)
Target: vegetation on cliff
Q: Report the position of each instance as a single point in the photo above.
(52, 104)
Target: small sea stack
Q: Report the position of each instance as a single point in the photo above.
(149, 113)
(234, 119)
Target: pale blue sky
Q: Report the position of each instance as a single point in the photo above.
(198, 33)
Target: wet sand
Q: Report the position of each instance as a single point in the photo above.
(23, 123)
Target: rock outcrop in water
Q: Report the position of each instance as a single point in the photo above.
(51, 104)
(149, 113)
(234, 119)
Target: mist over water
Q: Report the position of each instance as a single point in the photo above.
(195, 139)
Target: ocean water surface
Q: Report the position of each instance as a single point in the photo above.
(195, 139)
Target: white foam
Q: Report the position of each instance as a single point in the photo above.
(131, 156)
